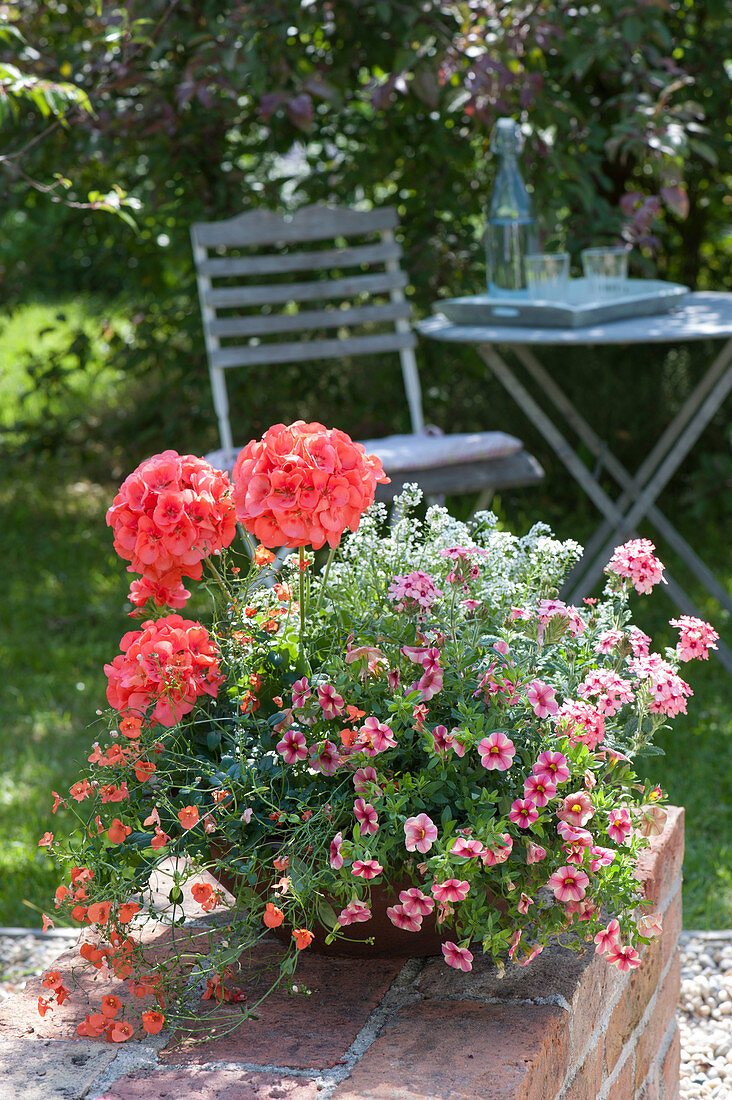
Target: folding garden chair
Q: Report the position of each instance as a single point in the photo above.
(324, 283)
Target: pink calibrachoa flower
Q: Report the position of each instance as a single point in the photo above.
(325, 758)
(293, 747)
(430, 683)
(551, 767)
(365, 781)
(539, 790)
(444, 742)
(619, 825)
(625, 958)
(408, 922)
(336, 859)
(366, 816)
(377, 735)
(523, 812)
(697, 637)
(356, 912)
(330, 701)
(503, 848)
(452, 889)
(458, 957)
(568, 884)
(601, 857)
(469, 848)
(415, 902)
(496, 751)
(574, 834)
(536, 950)
(534, 853)
(542, 699)
(636, 561)
(650, 924)
(583, 910)
(301, 692)
(366, 868)
(524, 903)
(581, 723)
(607, 937)
(420, 833)
(577, 809)
(516, 939)
(611, 690)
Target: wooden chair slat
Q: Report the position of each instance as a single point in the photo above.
(311, 223)
(304, 350)
(226, 297)
(308, 320)
(219, 267)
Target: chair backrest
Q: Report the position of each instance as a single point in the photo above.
(322, 283)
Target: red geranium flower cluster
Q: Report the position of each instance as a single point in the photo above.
(172, 512)
(303, 485)
(166, 665)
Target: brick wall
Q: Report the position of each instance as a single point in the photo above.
(567, 1027)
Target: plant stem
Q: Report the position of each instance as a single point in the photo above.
(303, 603)
(326, 571)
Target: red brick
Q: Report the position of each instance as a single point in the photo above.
(660, 865)
(650, 1089)
(300, 1031)
(464, 1051)
(588, 1079)
(671, 1068)
(203, 1084)
(664, 1010)
(622, 1086)
(672, 924)
(597, 986)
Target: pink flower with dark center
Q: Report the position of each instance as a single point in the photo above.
(581, 723)
(408, 922)
(669, 691)
(420, 833)
(602, 857)
(496, 751)
(330, 701)
(378, 737)
(325, 758)
(524, 903)
(607, 938)
(366, 868)
(577, 809)
(415, 902)
(413, 592)
(551, 767)
(366, 816)
(568, 884)
(611, 690)
(458, 957)
(535, 853)
(365, 781)
(301, 692)
(356, 912)
(636, 561)
(640, 643)
(523, 813)
(336, 859)
(470, 849)
(609, 640)
(539, 790)
(452, 889)
(625, 958)
(542, 699)
(293, 747)
(500, 853)
(619, 825)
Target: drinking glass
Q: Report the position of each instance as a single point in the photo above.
(547, 275)
(606, 270)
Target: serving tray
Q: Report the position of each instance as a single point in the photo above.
(640, 298)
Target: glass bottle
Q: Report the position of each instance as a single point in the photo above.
(511, 229)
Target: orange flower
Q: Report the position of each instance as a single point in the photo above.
(78, 913)
(144, 770)
(303, 938)
(47, 922)
(92, 1026)
(127, 911)
(263, 556)
(220, 796)
(44, 1006)
(118, 832)
(160, 839)
(92, 954)
(99, 911)
(348, 737)
(130, 726)
(120, 1032)
(81, 790)
(281, 863)
(283, 591)
(201, 892)
(188, 816)
(61, 893)
(273, 917)
(81, 874)
(46, 840)
(110, 1005)
(152, 1021)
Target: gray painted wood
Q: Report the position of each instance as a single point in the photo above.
(303, 351)
(311, 223)
(307, 320)
(220, 267)
(227, 297)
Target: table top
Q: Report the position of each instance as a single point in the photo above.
(703, 315)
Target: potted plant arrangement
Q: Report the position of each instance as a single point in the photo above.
(415, 748)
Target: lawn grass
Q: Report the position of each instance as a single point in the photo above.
(64, 610)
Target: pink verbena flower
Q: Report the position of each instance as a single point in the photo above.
(356, 912)
(366, 816)
(609, 640)
(581, 723)
(452, 889)
(669, 691)
(640, 643)
(568, 884)
(415, 902)
(577, 809)
(635, 560)
(547, 610)
(415, 591)
(420, 833)
(458, 957)
(542, 698)
(697, 638)
(496, 751)
(523, 813)
(551, 767)
(407, 921)
(366, 868)
(611, 690)
(293, 747)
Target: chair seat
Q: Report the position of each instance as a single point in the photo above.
(412, 452)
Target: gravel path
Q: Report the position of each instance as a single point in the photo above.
(705, 1006)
